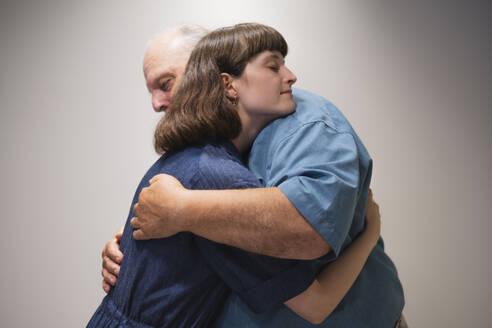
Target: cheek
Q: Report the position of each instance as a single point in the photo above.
(260, 96)
(162, 97)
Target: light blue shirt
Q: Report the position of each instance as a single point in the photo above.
(318, 161)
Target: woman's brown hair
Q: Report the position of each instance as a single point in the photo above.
(200, 110)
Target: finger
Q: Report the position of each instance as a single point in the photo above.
(155, 178)
(108, 277)
(139, 235)
(111, 266)
(135, 223)
(135, 208)
(141, 195)
(119, 233)
(113, 252)
(118, 236)
(106, 287)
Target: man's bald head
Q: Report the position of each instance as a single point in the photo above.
(185, 35)
(165, 61)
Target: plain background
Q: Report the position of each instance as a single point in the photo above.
(413, 77)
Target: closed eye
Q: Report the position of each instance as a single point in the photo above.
(166, 85)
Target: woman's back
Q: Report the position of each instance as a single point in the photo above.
(183, 280)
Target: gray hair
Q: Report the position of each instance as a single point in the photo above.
(189, 34)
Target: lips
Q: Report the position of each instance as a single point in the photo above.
(286, 92)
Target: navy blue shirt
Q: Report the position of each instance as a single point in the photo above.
(183, 280)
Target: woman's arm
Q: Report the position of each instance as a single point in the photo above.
(317, 302)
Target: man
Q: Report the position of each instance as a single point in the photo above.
(321, 171)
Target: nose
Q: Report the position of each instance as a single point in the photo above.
(160, 101)
(290, 77)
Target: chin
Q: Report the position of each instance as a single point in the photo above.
(291, 108)
(286, 111)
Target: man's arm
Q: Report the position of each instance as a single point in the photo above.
(260, 220)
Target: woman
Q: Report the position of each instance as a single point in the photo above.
(235, 83)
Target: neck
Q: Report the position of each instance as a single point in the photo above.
(250, 127)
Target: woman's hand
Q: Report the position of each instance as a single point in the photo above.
(112, 257)
(373, 218)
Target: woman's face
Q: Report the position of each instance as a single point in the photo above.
(264, 89)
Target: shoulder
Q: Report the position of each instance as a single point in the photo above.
(311, 108)
(315, 120)
(182, 164)
(219, 167)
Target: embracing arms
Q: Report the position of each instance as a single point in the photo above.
(260, 220)
(325, 293)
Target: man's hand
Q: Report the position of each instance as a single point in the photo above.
(112, 258)
(157, 210)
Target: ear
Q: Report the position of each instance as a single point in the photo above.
(229, 86)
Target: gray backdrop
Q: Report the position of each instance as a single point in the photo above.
(413, 77)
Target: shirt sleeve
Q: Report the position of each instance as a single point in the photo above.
(317, 168)
(262, 282)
